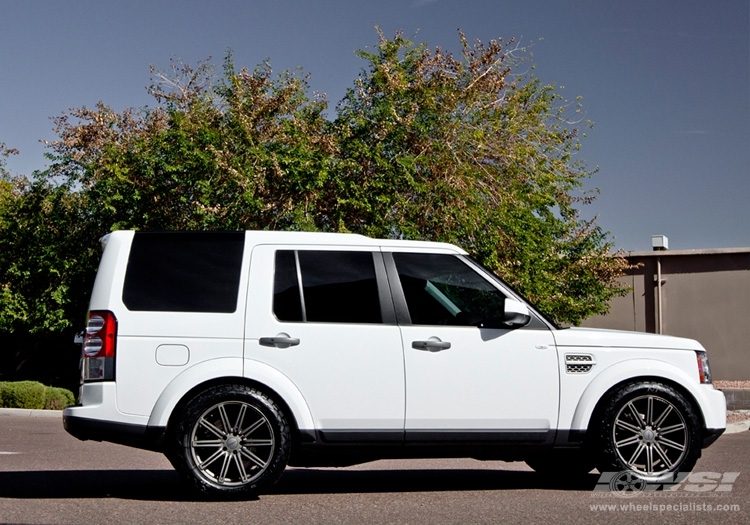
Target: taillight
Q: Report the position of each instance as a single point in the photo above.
(99, 344)
(704, 371)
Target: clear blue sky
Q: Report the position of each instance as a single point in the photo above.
(666, 82)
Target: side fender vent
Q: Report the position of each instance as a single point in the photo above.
(579, 363)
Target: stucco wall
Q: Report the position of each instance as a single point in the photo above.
(705, 296)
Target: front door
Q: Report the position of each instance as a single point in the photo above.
(467, 377)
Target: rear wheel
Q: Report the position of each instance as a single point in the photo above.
(649, 429)
(232, 441)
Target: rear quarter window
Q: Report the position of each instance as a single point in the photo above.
(184, 272)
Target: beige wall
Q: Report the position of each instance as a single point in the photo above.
(705, 296)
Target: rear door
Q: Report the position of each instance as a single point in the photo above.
(323, 317)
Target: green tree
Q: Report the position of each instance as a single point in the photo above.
(44, 256)
(424, 146)
(245, 151)
(469, 151)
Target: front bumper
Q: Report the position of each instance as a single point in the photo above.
(710, 435)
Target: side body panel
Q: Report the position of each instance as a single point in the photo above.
(154, 348)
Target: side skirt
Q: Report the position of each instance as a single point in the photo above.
(351, 447)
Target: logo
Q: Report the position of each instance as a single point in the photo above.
(629, 484)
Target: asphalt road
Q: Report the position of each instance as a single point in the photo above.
(47, 476)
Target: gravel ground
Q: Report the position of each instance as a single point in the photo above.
(731, 384)
(734, 416)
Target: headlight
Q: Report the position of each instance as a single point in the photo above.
(704, 371)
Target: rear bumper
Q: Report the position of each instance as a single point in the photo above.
(98, 419)
(139, 436)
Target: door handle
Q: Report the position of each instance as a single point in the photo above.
(279, 341)
(433, 344)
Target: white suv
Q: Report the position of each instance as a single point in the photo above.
(237, 353)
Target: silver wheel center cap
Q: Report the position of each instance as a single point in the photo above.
(233, 443)
(649, 436)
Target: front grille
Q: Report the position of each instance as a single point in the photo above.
(579, 363)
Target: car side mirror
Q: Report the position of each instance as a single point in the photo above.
(516, 314)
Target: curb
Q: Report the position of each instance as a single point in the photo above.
(740, 426)
(26, 412)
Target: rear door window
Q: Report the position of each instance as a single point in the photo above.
(326, 286)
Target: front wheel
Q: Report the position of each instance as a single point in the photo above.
(650, 429)
(232, 441)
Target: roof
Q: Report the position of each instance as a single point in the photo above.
(671, 253)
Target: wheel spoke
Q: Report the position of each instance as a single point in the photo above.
(673, 428)
(203, 465)
(671, 444)
(224, 418)
(225, 468)
(212, 428)
(649, 410)
(627, 426)
(627, 441)
(663, 455)
(252, 428)
(208, 443)
(241, 467)
(636, 415)
(240, 417)
(255, 459)
(635, 455)
(649, 459)
(662, 417)
(257, 442)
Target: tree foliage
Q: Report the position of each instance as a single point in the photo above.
(470, 149)
(45, 259)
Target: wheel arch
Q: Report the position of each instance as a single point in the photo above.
(609, 381)
(596, 414)
(195, 380)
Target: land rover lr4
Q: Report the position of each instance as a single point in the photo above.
(237, 353)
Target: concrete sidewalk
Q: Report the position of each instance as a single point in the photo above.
(25, 412)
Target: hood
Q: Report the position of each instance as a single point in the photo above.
(596, 337)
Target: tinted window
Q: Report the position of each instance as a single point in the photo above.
(184, 272)
(286, 295)
(337, 287)
(443, 290)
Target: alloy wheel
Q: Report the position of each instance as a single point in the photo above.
(650, 435)
(232, 443)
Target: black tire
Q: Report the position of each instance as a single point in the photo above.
(650, 429)
(562, 463)
(231, 441)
